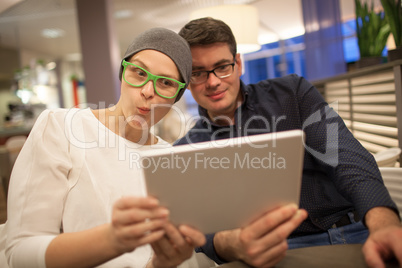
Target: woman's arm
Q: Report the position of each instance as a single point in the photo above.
(39, 186)
(135, 222)
(37, 192)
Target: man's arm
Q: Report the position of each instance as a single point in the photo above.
(385, 239)
(380, 217)
(262, 242)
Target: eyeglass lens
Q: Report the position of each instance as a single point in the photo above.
(220, 72)
(138, 77)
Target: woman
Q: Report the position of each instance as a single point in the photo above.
(75, 200)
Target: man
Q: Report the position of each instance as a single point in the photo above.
(342, 189)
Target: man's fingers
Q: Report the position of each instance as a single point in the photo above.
(398, 253)
(372, 256)
(382, 245)
(395, 246)
(277, 235)
(269, 257)
(276, 254)
(270, 220)
(282, 231)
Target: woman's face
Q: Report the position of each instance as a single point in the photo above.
(141, 106)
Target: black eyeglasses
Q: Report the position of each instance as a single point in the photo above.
(222, 71)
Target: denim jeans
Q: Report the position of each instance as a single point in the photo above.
(354, 233)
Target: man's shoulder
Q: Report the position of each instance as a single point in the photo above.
(290, 80)
(281, 86)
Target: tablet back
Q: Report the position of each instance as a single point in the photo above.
(224, 184)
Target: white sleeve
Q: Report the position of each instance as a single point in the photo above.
(37, 192)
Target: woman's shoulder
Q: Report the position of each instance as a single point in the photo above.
(59, 119)
(62, 115)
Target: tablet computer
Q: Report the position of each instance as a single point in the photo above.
(224, 184)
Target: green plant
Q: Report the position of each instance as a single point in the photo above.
(393, 12)
(372, 30)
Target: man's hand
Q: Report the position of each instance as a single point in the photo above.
(385, 239)
(263, 242)
(383, 245)
(176, 246)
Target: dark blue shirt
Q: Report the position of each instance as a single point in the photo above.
(339, 174)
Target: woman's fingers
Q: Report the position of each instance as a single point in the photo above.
(137, 221)
(192, 236)
(175, 237)
(133, 215)
(142, 228)
(127, 202)
(173, 248)
(164, 248)
(129, 210)
(150, 238)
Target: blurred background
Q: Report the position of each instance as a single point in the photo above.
(66, 53)
(41, 49)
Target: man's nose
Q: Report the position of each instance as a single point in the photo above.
(213, 80)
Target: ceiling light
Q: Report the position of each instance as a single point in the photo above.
(73, 57)
(242, 19)
(123, 14)
(293, 32)
(51, 65)
(52, 33)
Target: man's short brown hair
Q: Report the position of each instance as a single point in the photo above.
(206, 31)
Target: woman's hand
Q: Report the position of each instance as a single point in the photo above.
(136, 222)
(176, 246)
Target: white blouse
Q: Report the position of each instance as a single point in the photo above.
(67, 177)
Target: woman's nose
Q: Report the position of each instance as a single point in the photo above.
(148, 89)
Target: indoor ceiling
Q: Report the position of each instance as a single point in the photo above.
(22, 21)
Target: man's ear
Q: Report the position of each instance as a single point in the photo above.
(239, 63)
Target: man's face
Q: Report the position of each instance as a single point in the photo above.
(219, 96)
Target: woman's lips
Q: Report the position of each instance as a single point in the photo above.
(217, 95)
(144, 110)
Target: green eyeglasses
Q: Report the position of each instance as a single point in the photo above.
(136, 76)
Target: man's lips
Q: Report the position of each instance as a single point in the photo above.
(144, 110)
(217, 95)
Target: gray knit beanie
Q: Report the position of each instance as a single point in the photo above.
(169, 43)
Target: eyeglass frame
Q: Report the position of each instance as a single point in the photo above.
(213, 71)
(151, 77)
